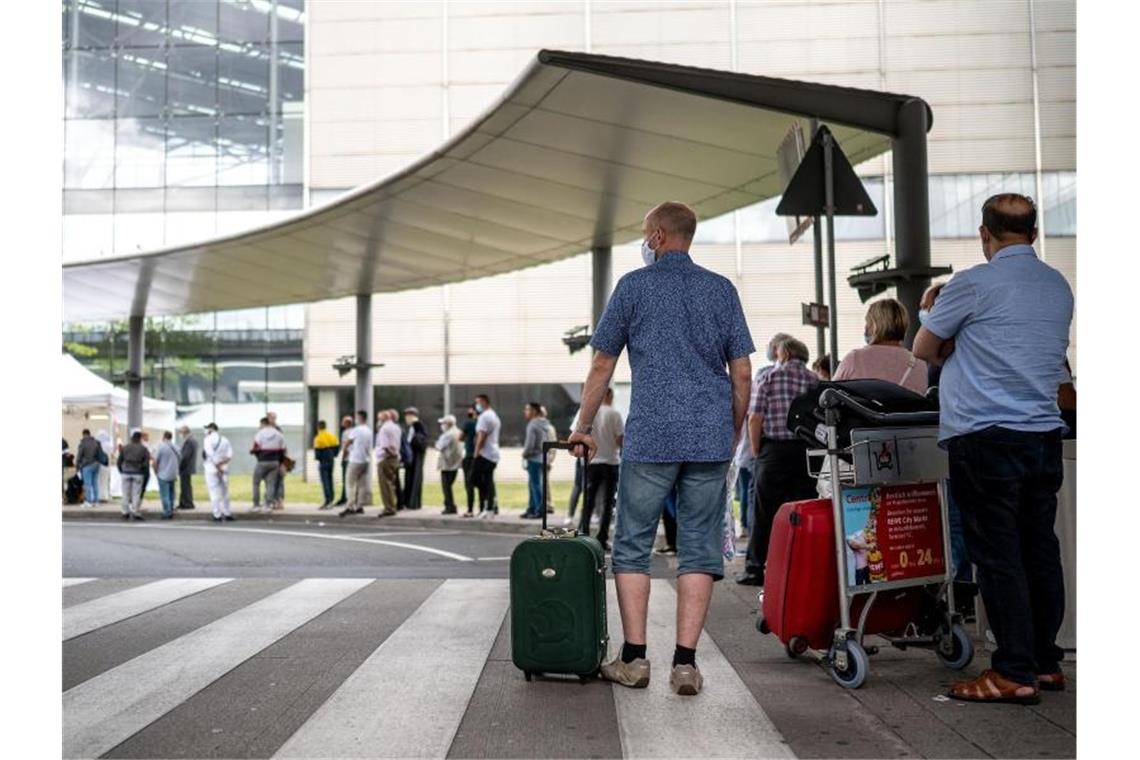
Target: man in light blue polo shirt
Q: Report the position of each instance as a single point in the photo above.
(1000, 330)
(689, 350)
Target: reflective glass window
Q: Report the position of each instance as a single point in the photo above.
(140, 22)
(140, 85)
(243, 151)
(243, 80)
(290, 20)
(89, 23)
(89, 153)
(90, 83)
(88, 236)
(1060, 205)
(192, 80)
(193, 22)
(240, 21)
(291, 72)
(191, 151)
(140, 152)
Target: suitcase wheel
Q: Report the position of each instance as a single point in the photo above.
(762, 625)
(796, 646)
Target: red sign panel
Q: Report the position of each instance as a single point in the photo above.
(893, 533)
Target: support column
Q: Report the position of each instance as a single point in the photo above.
(602, 276)
(364, 356)
(817, 245)
(135, 348)
(912, 206)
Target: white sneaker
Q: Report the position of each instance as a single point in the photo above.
(569, 521)
(484, 513)
(88, 505)
(255, 508)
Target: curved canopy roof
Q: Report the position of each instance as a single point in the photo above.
(571, 157)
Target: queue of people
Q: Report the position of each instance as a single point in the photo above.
(992, 341)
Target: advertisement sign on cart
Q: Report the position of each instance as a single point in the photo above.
(893, 533)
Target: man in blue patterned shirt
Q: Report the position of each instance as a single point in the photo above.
(689, 350)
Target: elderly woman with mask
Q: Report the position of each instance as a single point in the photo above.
(884, 357)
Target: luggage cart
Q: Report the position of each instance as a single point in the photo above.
(900, 452)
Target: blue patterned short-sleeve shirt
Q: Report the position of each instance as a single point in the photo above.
(682, 325)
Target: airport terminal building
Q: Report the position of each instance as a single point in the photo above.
(191, 120)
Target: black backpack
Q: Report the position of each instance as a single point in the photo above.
(806, 418)
(74, 492)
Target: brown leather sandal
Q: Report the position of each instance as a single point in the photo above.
(1051, 681)
(992, 686)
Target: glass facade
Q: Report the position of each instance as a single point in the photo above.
(178, 115)
(955, 208)
(182, 121)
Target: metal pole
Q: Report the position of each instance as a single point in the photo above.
(1039, 191)
(602, 257)
(817, 244)
(364, 355)
(274, 110)
(912, 206)
(829, 211)
(135, 348)
(446, 350)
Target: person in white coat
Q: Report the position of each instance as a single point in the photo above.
(218, 452)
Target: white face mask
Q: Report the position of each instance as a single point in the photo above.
(648, 255)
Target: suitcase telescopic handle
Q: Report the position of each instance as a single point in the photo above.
(564, 446)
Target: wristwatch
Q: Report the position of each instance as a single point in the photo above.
(584, 430)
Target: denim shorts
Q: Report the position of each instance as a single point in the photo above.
(642, 489)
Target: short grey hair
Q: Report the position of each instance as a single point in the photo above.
(794, 348)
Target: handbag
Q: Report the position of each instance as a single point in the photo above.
(288, 464)
(101, 456)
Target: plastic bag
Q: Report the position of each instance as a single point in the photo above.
(729, 541)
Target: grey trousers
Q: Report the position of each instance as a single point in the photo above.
(357, 482)
(270, 472)
(132, 493)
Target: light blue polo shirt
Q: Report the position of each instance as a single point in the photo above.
(1009, 319)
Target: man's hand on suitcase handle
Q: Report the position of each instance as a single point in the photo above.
(585, 441)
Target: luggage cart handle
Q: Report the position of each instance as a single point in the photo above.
(563, 446)
(832, 398)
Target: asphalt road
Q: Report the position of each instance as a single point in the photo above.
(360, 549)
(258, 640)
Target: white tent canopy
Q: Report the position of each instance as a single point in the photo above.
(83, 390)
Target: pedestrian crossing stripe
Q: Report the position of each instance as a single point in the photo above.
(409, 696)
(98, 613)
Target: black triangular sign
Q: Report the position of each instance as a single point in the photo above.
(804, 194)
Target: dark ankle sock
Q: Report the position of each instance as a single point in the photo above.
(631, 652)
(684, 656)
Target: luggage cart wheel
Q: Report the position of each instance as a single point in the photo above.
(853, 676)
(796, 646)
(961, 648)
(528, 675)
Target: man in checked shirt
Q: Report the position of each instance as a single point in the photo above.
(779, 470)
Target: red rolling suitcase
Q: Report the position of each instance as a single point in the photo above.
(801, 594)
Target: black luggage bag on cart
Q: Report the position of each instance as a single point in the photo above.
(806, 418)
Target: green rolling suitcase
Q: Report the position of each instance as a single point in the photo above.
(558, 599)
